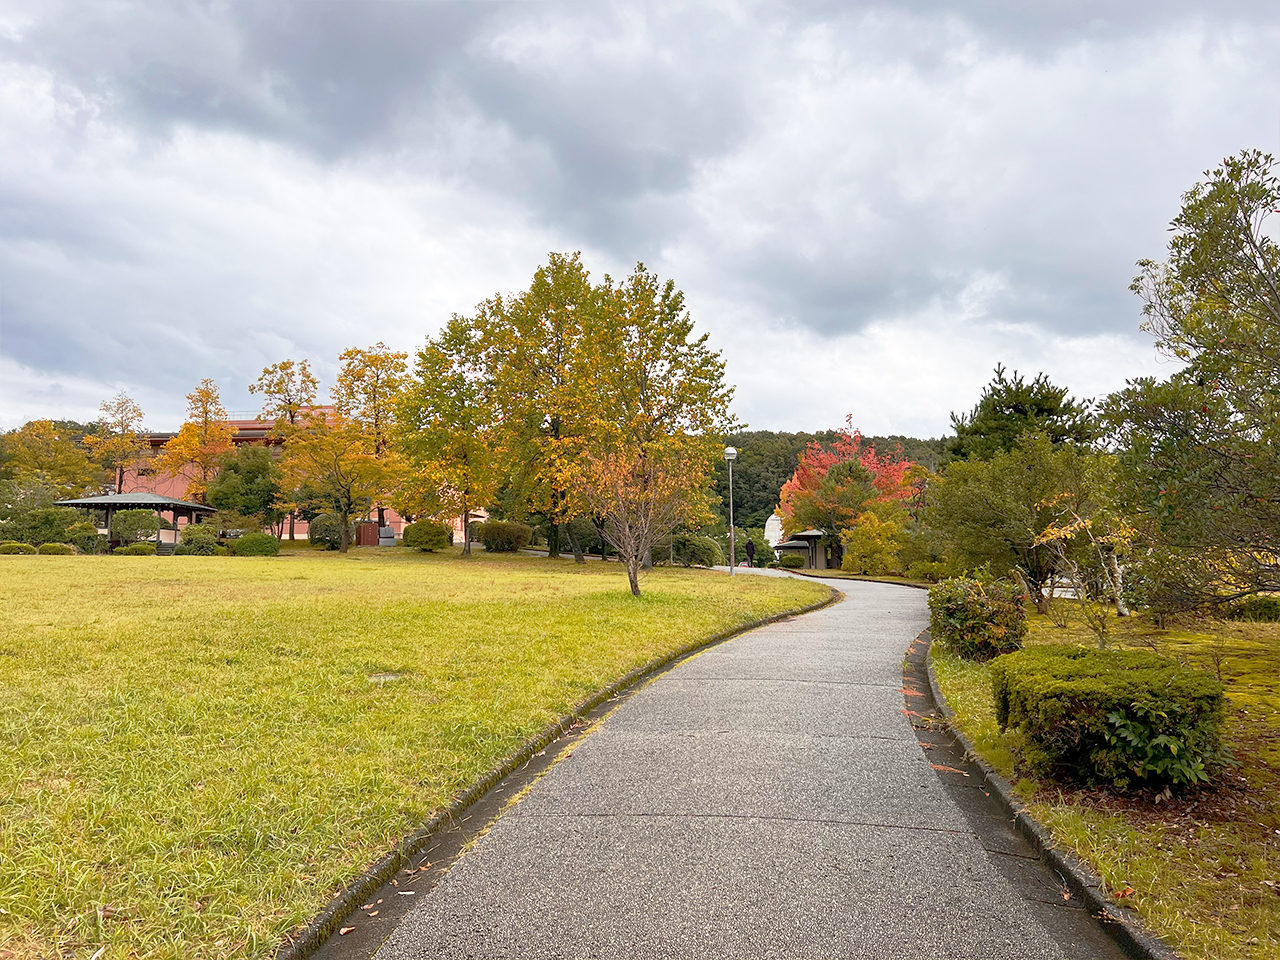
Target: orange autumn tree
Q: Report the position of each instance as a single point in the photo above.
(837, 483)
(197, 450)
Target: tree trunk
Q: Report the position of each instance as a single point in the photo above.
(345, 518)
(382, 519)
(553, 541)
(291, 518)
(466, 530)
(633, 575)
(574, 543)
(1122, 609)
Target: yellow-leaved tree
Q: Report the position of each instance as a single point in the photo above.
(196, 451)
(334, 460)
(365, 395)
(288, 396)
(43, 451)
(119, 440)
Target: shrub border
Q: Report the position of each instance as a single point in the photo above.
(1125, 925)
(315, 934)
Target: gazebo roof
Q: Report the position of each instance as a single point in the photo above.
(135, 501)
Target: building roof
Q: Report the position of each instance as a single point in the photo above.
(809, 533)
(792, 543)
(135, 501)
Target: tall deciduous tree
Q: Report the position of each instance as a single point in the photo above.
(445, 426)
(1200, 452)
(1010, 407)
(197, 451)
(249, 484)
(44, 452)
(650, 405)
(119, 440)
(288, 390)
(366, 393)
(335, 461)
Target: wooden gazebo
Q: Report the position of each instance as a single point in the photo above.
(113, 502)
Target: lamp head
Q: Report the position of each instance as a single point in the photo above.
(730, 454)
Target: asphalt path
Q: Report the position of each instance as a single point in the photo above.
(766, 798)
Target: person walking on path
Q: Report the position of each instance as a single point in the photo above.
(766, 798)
(751, 553)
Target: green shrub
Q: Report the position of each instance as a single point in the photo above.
(137, 550)
(1258, 608)
(57, 549)
(129, 526)
(503, 536)
(791, 561)
(85, 536)
(200, 540)
(256, 545)
(44, 525)
(1126, 718)
(325, 530)
(427, 535)
(929, 570)
(221, 551)
(695, 550)
(14, 546)
(977, 620)
(182, 550)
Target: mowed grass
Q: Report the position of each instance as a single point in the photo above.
(198, 751)
(1203, 868)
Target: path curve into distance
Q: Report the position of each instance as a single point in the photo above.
(766, 798)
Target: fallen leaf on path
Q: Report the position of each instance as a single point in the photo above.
(1126, 892)
(938, 766)
(373, 913)
(344, 931)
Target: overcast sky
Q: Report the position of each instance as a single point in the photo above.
(867, 205)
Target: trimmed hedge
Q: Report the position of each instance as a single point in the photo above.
(503, 536)
(256, 545)
(791, 561)
(86, 537)
(199, 540)
(427, 535)
(136, 550)
(697, 550)
(57, 549)
(15, 547)
(1126, 718)
(977, 620)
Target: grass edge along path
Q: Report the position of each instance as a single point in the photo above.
(303, 943)
(201, 751)
(1185, 876)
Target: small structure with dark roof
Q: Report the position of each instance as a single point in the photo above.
(111, 503)
(806, 544)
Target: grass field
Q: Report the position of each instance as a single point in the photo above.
(197, 751)
(1201, 869)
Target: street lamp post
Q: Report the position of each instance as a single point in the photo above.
(731, 455)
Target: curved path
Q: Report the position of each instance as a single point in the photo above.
(767, 798)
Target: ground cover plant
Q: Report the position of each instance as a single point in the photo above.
(200, 750)
(1200, 866)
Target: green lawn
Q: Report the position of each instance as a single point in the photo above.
(198, 751)
(1202, 869)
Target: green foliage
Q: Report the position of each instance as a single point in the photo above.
(249, 484)
(56, 549)
(696, 550)
(1011, 407)
(1126, 718)
(1200, 452)
(427, 535)
(199, 540)
(872, 544)
(1262, 609)
(791, 561)
(136, 550)
(84, 535)
(503, 536)
(130, 526)
(256, 545)
(325, 530)
(977, 620)
(16, 547)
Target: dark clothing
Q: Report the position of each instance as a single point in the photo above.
(751, 553)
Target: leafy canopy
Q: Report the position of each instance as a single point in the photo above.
(1010, 407)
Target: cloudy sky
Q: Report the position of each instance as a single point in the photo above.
(868, 205)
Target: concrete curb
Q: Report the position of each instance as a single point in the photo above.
(327, 922)
(1124, 925)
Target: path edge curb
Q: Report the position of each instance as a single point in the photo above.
(345, 902)
(1124, 925)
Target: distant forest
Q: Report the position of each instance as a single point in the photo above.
(767, 459)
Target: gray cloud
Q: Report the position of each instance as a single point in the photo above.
(300, 176)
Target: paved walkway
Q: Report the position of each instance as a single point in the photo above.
(767, 798)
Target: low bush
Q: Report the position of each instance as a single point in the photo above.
(1261, 609)
(325, 530)
(256, 545)
(129, 526)
(1124, 718)
(136, 550)
(57, 549)
(791, 561)
(695, 550)
(14, 546)
(929, 570)
(978, 620)
(503, 536)
(85, 536)
(200, 540)
(427, 535)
